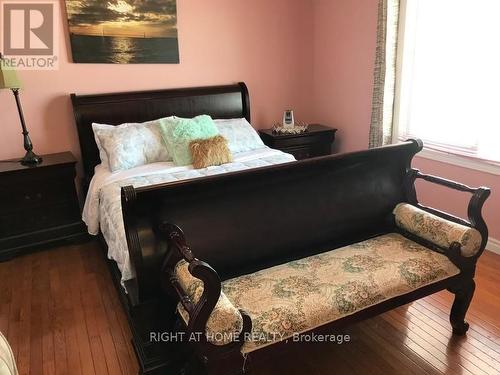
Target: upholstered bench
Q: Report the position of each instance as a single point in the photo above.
(301, 295)
(303, 248)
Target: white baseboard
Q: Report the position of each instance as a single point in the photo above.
(493, 245)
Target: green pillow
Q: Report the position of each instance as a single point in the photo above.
(178, 132)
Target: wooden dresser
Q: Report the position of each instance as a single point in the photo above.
(38, 205)
(317, 141)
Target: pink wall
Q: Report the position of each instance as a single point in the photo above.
(264, 43)
(344, 35)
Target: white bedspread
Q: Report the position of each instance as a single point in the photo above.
(102, 210)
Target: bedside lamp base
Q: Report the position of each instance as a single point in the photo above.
(31, 159)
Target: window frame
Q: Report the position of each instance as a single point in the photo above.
(444, 155)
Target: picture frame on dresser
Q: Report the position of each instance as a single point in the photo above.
(39, 205)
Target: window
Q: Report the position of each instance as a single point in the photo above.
(448, 76)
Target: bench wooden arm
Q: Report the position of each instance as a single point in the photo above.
(474, 210)
(442, 181)
(199, 312)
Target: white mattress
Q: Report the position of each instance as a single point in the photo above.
(103, 211)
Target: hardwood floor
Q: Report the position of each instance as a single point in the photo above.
(61, 315)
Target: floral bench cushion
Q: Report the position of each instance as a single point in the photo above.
(436, 229)
(301, 295)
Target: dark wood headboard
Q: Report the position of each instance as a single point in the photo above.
(231, 101)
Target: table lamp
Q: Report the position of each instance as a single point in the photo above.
(9, 80)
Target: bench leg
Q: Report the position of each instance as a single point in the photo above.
(463, 297)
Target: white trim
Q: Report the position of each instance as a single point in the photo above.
(461, 161)
(493, 246)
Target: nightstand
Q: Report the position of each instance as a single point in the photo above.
(316, 141)
(38, 205)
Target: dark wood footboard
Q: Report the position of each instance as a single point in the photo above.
(342, 198)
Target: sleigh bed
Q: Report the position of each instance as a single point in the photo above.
(146, 310)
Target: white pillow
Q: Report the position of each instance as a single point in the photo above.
(241, 136)
(130, 145)
(104, 131)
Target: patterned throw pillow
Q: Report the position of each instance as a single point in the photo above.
(211, 151)
(179, 132)
(240, 135)
(130, 145)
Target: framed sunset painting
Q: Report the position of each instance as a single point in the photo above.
(123, 31)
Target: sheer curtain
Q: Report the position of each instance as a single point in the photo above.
(449, 76)
(385, 73)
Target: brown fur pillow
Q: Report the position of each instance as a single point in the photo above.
(211, 151)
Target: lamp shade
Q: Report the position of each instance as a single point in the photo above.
(8, 77)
